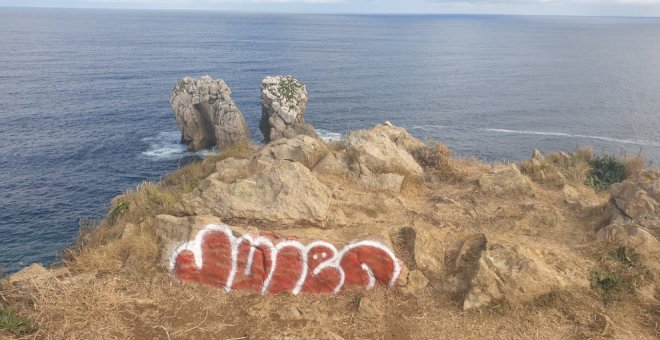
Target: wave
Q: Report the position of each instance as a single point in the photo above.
(166, 146)
(563, 134)
(426, 127)
(329, 136)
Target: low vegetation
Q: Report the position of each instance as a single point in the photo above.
(139, 207)
(436, 160)
(288, 90)
(13, 323)
(581, 167)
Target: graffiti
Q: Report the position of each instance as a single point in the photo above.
(218, 258)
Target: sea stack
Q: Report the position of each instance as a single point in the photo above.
(206, 114)
(283, 104)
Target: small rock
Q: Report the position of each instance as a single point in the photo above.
(538, 156)
(368, 309)
(130, 230)
(416, 281)
(289, 313)
(34, 272)
(505, 180)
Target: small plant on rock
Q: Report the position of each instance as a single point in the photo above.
(288, 90)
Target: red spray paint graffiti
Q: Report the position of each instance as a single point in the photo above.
(217, 258)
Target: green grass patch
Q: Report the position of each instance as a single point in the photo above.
(119, 210)
(607, 282)
(13, 323)
(605, 171)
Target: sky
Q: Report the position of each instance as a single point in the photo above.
(536, 7)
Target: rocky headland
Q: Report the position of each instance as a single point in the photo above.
(380, 235)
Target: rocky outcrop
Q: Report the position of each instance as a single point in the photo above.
(384, 149)
(639, 198)
(273, 190)
(283, 104)
(481, 271)
(206, 114)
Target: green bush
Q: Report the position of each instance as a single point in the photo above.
(607, 282)
(13, 323)
(605, 171)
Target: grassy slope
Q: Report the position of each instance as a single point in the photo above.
(110, 286)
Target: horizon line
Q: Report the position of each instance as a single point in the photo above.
(248, 11)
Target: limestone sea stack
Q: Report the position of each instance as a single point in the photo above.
(206, 114)
(283, 104)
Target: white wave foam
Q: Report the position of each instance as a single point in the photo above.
(329, 136)
(426, 127)
(166, 146)
(562, 134)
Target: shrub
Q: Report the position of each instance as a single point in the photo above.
(436, 160)
(605, 171)
(13, 323)
(607, 282)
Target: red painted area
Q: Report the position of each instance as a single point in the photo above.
(288, 270)
(328, 278)
(378, 261)
(218, 258)
(253, 278)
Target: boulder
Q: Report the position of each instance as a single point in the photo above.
(283, 104)
(206, 114)
(504, 180)
(517, 273)
(383, 149)
(204, 250)
(639, 198)
(302, 148)
(630, 236)
(280, 191)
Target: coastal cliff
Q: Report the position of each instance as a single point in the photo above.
(379, 235)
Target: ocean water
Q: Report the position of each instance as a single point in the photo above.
(84, 111)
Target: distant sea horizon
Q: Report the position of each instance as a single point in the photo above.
(84, 111)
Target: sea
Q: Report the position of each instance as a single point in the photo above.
(85, 116)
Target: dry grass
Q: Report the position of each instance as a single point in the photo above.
(336, 146)
(101, 246)
(312, 159)
(559, 168)
(634, 165)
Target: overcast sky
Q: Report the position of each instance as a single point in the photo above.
(567, 7)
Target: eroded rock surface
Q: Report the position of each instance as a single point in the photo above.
(384, 149)
(206, 114)
(281, 191)
(283, 104)
(639, 198)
